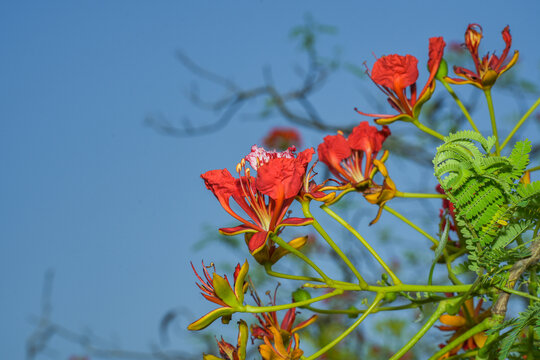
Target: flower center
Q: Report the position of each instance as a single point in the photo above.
(255, 200)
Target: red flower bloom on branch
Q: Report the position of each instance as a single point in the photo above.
(278, 338)
(490, 67)
(345, 156)
(394, 74)
(265, 198)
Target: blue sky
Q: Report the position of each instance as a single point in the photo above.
(113, 206)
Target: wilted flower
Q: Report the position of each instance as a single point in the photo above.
(218, 290)
(380, 194)
(490, 67)
(230, 352)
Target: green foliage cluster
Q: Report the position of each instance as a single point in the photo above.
(493, 207)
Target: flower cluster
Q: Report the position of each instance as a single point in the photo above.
(262, 195)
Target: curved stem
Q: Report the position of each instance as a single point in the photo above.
(411, 224)
(487, 92)
(520, 122)
(353, 231)
(484, 325)
(344, 334)
(427, 130)
(307, 260)
(269, 271)
(419, 195)
(432, 319)
(328, 239)
(453, 278)
(460, 104)
(262, 309)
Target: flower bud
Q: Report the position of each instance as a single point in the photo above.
(301, 295)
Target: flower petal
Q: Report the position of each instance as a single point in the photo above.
(239, 229)
(395, 72)
(224, 291)
(453, 320)
(257, 241)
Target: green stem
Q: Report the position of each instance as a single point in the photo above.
(269, 271)
(536, 168)
(432, 319)
(307, 260)
(484, 325)
(411, 224)
(519, 293)
(421, 196)
(421, 288)
(263, 309)
(396, 288)
(487, 92)
(460, 104)
(379, 309)
(346, 225)
(328, 239)
(520, 122)
(427, 130)
(344, 334)
(453, 278)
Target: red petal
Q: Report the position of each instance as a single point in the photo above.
(239, 229)
(294, 221)
(395, 71)
(436, 51)
(333, 149)
(257, 241)
(220, 182)
(367, 138)
(283, 176)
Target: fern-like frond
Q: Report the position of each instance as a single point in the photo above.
(510, 233)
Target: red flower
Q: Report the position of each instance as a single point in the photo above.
(281, 138)
(394, 74)
(490, 67)
(468, 317)
(269, 324)
(265, 198)
(344, 157)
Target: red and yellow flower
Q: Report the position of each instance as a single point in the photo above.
(276, 349)
(265, 198)
(350, 159)
(396, 75)
(467, 318)
(490, 67)
(218, 290)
